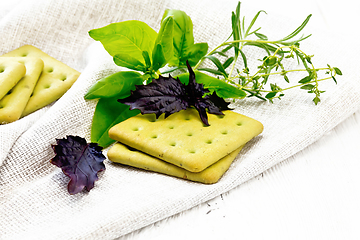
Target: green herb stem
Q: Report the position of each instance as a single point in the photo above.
(291, 87)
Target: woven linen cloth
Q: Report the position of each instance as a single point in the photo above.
(34, 202)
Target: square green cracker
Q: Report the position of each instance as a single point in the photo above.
(183, 140)
(54, 81)
(13, 104)
(10, 74)
(120, 153)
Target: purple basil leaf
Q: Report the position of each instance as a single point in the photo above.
(163, 95)
(80, 161)
(200, 106)
(212, 103)
(195, 90)
(216, 104)
(169, 95)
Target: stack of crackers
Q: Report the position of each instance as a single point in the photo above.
(181, 145)
(29, 80)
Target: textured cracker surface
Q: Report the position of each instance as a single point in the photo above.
(10, 74)
(183, 140)
(54, 81)
(119, 153)
(13, 104)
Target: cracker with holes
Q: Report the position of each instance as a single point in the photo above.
(54, 81)
(182, 139)
(13, 104)
(120, 153)
(10, 74)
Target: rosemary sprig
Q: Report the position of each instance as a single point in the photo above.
(258, 84)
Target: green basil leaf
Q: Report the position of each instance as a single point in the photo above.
(195, 53)
(125, 60)
(222, 89)
(120, 83)
(108, 112)
(183, 40)
(127, 37)
(170, 70)
(147, 59)
(183, 37)
(165, 40)
(159, 59)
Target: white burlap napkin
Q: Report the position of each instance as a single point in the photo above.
(34, 200)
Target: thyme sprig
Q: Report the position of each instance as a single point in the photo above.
(277, 51)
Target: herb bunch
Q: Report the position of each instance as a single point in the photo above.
(276, 51)
(144, 52)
